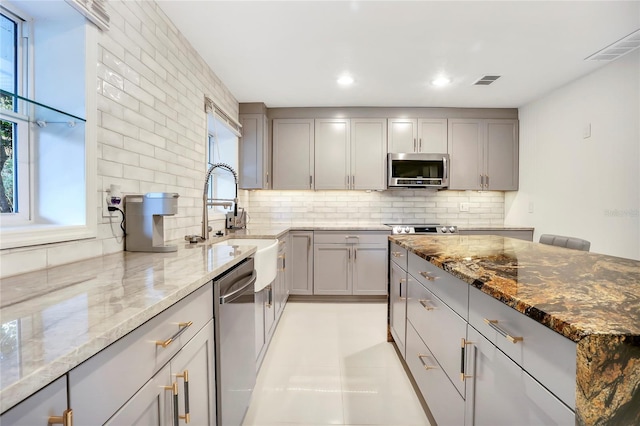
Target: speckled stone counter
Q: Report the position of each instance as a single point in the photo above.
(589, 298)
(54, 319)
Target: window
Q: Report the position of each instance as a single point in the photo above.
(222, 148)
(14, 133)
(47, 124)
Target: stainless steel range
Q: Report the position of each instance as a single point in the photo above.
(429, 228)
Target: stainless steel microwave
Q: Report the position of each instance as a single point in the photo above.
(417, 170)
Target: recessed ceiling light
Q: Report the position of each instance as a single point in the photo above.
(345, 80)
(440, 81)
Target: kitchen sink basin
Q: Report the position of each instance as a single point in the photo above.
(265, 258)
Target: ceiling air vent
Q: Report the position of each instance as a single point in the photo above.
(486, 80)
(617, 49)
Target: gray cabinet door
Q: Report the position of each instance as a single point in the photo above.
(332, 269)
(36, 410)
(293, 141)
(260, 299)
(152, 405)
(465, 152)
(254, 152)
(501, 155)
(368, 154)
(196, 361)
(504, 394)
(369, 269)
(332, 162)
(301, 262)
(432, 135)
(398, 305)
(402, 135)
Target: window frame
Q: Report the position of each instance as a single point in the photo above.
(23, 169)
(37, 232)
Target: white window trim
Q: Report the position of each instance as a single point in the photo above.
(37, 234)
(24, 190)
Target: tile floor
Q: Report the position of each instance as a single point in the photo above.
(331, 364)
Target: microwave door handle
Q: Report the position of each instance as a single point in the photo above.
(444, 167)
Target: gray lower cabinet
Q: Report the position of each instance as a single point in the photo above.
(106, 383)
(351, 263)
(477, 361)
(502, 393)
(39, 408)
(398, 305)
(300, 268)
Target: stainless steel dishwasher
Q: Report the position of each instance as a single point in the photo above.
(235, 338)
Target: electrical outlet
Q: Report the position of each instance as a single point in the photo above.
(464, 207)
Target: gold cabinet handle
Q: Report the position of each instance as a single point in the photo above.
(463, 344)
(174, 390)
(185, 376)
(66, 419)
(183, 327)
(428, 276)
(426, 367)
(397, 254)
(423, 302)
(494, 324)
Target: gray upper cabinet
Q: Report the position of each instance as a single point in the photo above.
(368, 153)
(403, 135)
(350, 154)
(484, 154)
(255, 157)
(332, 162)
(418, 135)
(293, 153)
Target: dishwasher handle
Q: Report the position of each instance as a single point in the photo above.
(228, 298)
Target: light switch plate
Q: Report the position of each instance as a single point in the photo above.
(586, 131)
(464, 207)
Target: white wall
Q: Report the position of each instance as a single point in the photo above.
(152, 129)
(584, 187)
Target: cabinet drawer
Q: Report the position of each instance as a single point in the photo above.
(398, 255)
(543, 353)
(451, 290)
(440, 328)
(353, 237)
(36, 410)
(503, 394)
(103, 383)
(446, 405)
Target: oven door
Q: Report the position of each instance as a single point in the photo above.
(416, 170)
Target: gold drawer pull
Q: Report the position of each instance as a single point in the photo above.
(397, 254)
(426, 367)
(183, 327)
(185, 376)
(66, 419)
(423, 302)
(494, 324)
(174, 391)
(428, 276)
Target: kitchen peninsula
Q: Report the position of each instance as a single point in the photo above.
(590, 301)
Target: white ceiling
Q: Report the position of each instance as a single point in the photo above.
(290, 53)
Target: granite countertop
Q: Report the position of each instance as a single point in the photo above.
(55, 319)
(592, 299)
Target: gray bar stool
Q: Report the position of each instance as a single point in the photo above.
(567, 242)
